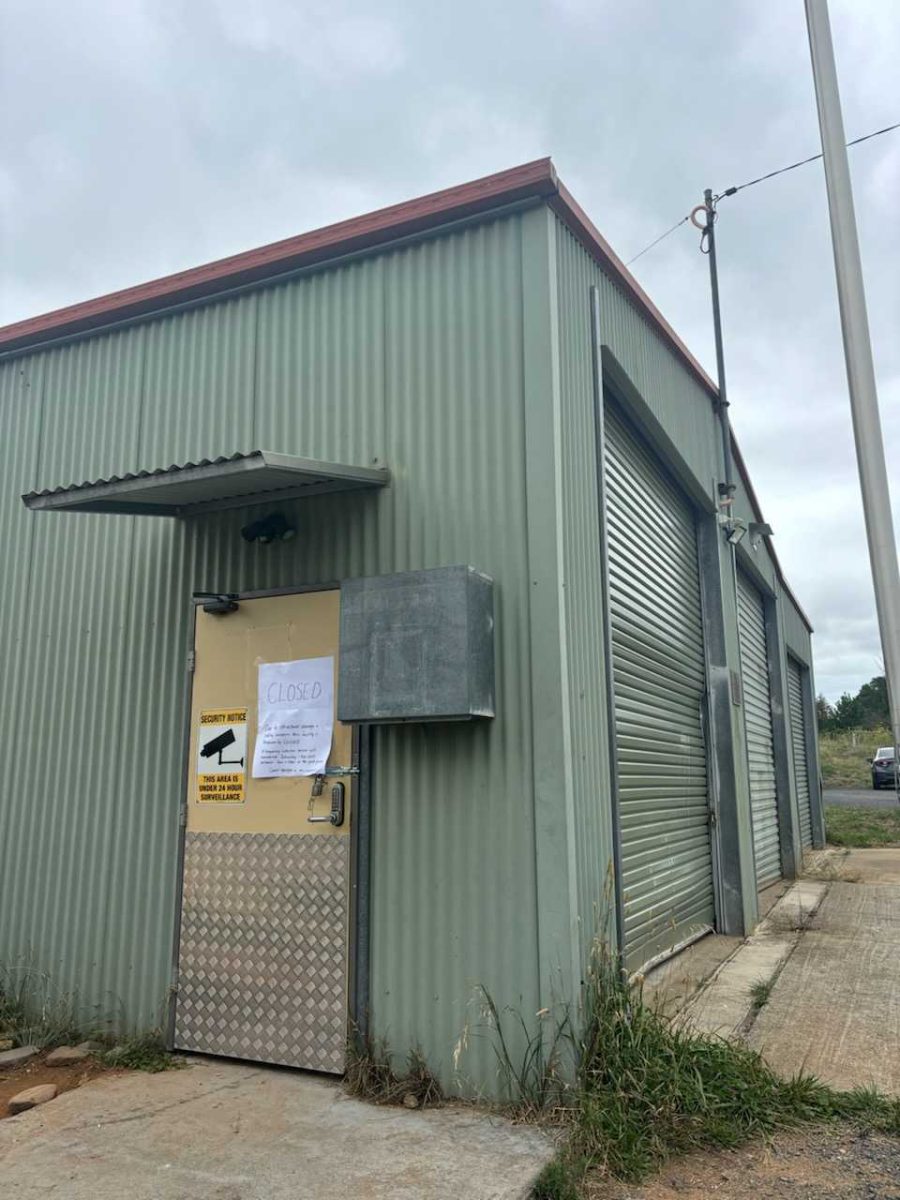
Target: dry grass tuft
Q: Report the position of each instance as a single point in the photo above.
(829, 866)
(371, 1076)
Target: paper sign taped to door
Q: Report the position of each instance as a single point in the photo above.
(296, 717)
(221, 756)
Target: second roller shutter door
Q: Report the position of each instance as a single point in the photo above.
(758, 724)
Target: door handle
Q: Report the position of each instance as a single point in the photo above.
(336, 815)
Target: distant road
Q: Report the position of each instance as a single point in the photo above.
(860, 798)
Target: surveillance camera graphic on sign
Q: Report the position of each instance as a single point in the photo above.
(217, 744)
(221, 756)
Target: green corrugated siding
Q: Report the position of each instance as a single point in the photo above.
(796, 634)
(674, 397)
(683, 409)
(583, 596)
(413, 358)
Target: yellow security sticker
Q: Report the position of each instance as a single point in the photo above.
(222, 756)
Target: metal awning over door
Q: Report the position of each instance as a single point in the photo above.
(758, 725)
(660, 693)
(212, 484)
(798, 751)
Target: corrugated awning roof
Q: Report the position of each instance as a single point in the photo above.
(257, 477)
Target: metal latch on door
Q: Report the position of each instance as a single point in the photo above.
(336, 815)
(318, 785)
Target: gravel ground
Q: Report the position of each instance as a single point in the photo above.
(828, 1163)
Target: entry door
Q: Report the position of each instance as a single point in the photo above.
(758, 725)
(798, 751)
(660, 695)
(264, 922)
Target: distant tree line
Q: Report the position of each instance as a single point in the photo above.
(868, 709)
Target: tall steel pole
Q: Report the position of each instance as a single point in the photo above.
(726, 485)
(873, 477)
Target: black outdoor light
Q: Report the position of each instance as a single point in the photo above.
(274, 527)
(218, 603)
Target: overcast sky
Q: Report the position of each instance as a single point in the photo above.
(144, 136)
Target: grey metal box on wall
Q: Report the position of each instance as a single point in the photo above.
(418, 646)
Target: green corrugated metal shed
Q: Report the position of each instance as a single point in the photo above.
(450, 340)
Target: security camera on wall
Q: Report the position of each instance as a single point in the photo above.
(272, 528)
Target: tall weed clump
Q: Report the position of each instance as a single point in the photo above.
(648, 1089)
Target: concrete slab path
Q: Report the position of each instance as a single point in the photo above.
(835, 1007)
(832, 950)
(220, 1130)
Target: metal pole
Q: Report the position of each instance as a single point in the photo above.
(873, 477)
(726, 486)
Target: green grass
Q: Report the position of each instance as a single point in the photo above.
(760, 993)
(142, 1052)
(35, 1013)
(862, 827)
(845, 756)
(648, 1090)
(32, 1011)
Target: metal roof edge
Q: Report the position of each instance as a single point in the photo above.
(579, 223)
(533, 179)
(576, 219)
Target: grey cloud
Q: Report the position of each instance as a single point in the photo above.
(143, 138)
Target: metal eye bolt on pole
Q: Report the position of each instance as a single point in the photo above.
(873, 477)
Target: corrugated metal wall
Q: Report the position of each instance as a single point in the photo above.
(796, 634)
(684, 411)
(412, 358)
(680, 404)
(583, 599)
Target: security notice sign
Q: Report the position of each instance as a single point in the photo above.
(221, 756)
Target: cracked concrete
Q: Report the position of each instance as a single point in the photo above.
(835, 1008)
(725, 1003)
(222, 1130)
(832, 950)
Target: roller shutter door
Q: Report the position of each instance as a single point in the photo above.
(660, 691)
(758, 724)
(798, 751)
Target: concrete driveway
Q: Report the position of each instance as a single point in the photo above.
(831, 947)
(860, 798)
(230, 1131)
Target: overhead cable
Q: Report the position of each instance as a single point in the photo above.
(760, 179)
(802, 163)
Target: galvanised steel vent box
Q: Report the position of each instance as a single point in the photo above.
(418, 646)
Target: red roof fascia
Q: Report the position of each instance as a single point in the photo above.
(573, 215)
(534, 179)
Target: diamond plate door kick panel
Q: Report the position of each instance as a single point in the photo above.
(263, 948)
